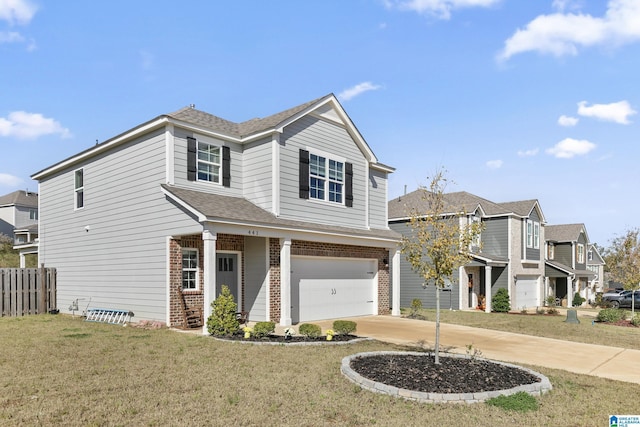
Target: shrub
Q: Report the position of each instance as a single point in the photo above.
(223, 321)
(551, 301)
(520, 401)
(577, 300)
(635, 321)
(500, 303)
(416, 306)
(344, 327)
(610, 315)
(310, 330)
(263, 329)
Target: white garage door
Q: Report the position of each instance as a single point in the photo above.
(328, 288)
(526, 293)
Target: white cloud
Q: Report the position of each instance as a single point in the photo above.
(356, 90)
(617, 112)
(494, 164)
(562, 34)
(567, 121)
(562, 5)
(9, 180)
(528, 153)
(569, 147)
(441, 9)
(23, 125)
(11, 37)
(17, 11)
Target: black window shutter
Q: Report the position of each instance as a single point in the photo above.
(192, 162)
(226, 167)
(348, 184)
(304, 174)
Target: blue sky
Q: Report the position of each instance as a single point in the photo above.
(515, 99)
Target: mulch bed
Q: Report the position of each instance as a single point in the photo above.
(452, 375)
(290, 340)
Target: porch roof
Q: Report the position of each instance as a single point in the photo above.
(238, 210)
(490, 260)
(556, 269)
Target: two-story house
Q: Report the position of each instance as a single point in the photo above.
(595, 264)
(19, 220)
(566, 262)
(289, 211)
(509, 253)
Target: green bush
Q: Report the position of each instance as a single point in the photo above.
(223, 321)
(610, 315)
(310, 330)
(635, 321)
(263, 329)
(344, 327)
(500, 302)
(520, 401)
(577, 300)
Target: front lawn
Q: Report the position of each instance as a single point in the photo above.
(57, 370)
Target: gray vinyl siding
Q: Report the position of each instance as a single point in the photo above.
(495, 237)
(411, 283)
(563, 254)
(377, 199)
(258, 183)
(6, 221)
(180, 165)
(23, 217)
(499, 279)
(120, 262)
(313, 133)
(533, 253)
(255, 278)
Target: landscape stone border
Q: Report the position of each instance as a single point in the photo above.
(287, 344)
(535, 389)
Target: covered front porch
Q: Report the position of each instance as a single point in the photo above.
(480, 279)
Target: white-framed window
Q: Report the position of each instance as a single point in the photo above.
(533, 234)
(590, 255)
(326, 178)
(209, 162)
(551, 249)
(78, 192)
(33, 214)
(580, 253)
(189, 269)
(476, 239)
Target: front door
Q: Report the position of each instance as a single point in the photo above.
(227, 274)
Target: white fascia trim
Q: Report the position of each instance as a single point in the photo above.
(198, 214)
(383, 168)
(123, 137)
(170, 153)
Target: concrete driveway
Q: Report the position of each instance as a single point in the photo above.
(602, 361)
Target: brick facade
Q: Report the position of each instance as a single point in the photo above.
(227, 242)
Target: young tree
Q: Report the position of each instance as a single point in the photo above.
(623, 261)
(440, 242)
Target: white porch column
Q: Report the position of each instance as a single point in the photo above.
(570, 291)
(487, 289)
(285, 282)
(394, 254)
(209, 273)
(23, 260)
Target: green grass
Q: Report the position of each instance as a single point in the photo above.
(544, 326)
(57, 370)
(521, 402)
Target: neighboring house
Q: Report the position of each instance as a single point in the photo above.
(19, 220)
(566, 262)
(595, 264)
(289, 211)
(509, 255)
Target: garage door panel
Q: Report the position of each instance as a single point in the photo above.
(526, 293)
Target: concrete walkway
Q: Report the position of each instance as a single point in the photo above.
(598, 360)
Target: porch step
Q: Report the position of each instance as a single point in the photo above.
(108, 315)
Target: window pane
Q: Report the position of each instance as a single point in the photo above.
(316, 188)
(207, 172)
(317, 165)
(79, 199)
(79, 178)
(335, 170)
(208, 153)
(335, 192)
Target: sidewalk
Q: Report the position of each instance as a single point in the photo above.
(598, 360)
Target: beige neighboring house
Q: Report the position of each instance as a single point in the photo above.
(19, 220)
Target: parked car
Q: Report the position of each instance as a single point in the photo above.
(612, 294)
(625, 300)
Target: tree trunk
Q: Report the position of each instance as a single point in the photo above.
(437, 359)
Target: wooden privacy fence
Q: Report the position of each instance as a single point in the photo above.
(25, 291)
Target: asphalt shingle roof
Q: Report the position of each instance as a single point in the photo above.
(20, 198)
(563, 232)
(236, 209)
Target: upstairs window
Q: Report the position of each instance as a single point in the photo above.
(326, 179)
(33, 214)
(533, 234)
(79, 188)
(208, 162)
(189, 269)
(580, 253)
(590, 256)
(551, 249)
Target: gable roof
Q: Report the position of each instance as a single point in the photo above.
(20, 198)
(240, 211)
(564, 233)
(597, 259)
(458, 202)
(250, 130)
